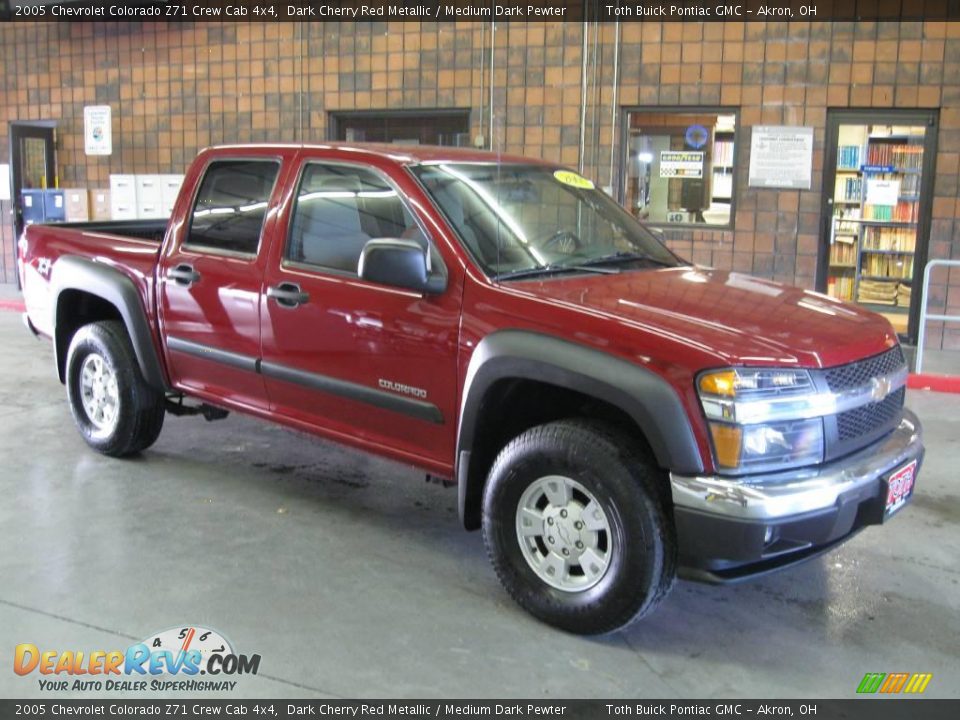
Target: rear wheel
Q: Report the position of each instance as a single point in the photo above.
(116, 411)
(576, 527)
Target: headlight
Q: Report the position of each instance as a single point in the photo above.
(762, 419)
(767, 447)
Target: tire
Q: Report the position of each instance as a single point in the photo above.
(619, 565)
(117, 412)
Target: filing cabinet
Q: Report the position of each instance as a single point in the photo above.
(169, 191)
(149, 196)
(123, 197)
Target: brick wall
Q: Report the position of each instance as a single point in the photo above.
(178, 87)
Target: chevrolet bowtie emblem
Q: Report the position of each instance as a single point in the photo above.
(879, 388)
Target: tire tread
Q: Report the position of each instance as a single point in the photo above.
(581, 436)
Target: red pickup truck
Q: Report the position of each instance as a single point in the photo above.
(611, 415)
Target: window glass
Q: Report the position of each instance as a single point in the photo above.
(232, 204)
(404, 127)
(680, 167)
(338, 209)
(524, 219)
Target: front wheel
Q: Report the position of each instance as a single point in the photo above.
(116, 411)
(575, 524)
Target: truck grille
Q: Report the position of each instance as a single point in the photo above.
(852, 430)
(859, 373)
(864, 421)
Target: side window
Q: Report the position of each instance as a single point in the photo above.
(231, 205)
(338, 209)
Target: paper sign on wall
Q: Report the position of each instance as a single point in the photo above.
(883, 192)
(781, 157)
(681, 164)
(98, 138)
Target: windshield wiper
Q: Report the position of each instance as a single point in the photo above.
(554, 268)
(623, 257)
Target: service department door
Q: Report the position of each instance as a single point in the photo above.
(363, 362)
(878, 183)
(33, 166)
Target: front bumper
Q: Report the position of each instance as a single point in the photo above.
(731, 529)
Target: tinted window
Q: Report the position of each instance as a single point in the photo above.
(231, 205)
(338, 210)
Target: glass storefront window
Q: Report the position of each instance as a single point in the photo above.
(680, 167)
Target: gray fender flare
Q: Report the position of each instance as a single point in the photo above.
(111, 285)
(642, 394)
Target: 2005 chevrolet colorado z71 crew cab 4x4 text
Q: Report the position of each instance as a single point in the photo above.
(610, 414)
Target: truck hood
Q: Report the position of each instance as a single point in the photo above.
(738, 318)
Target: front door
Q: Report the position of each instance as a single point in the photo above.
(210, 282)
(361, 362)
(878, 187)
(33, 166)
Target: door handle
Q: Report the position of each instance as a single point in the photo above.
(288, 295)
(183, 274)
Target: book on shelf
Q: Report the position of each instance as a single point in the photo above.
(879, 292)
(903, 211)
(849, 189)
(910, 184)
(900, 156)
(723, 153)
(843, 253)
(891, 266)
(889, 239)
(840, 287)
(848, 157)
(903, 295)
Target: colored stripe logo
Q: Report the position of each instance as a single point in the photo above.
(892, 683)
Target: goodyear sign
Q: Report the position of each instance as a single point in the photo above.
(681, 164)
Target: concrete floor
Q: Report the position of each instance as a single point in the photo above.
(351, 577)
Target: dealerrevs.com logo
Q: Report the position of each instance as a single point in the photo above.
(169, 661)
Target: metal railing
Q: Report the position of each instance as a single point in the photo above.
(924, 316)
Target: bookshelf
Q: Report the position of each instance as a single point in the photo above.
(873, 232)
(721, 186)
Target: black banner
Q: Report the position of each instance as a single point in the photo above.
(496, 11)
(878, 708)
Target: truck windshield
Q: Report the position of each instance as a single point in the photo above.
(524, 220)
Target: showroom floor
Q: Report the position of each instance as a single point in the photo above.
(350, 575)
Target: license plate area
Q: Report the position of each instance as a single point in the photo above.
(898, 488)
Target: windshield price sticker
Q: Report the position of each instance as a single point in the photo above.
(568, 177)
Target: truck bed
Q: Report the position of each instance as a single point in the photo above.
(132, 246)
(141, 229)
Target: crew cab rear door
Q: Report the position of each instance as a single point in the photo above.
(210, 277)
(359, 361)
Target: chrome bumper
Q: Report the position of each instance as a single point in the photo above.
(794, 492)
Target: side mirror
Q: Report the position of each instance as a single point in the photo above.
(401, 263)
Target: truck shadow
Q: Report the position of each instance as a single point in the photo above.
(309, 475)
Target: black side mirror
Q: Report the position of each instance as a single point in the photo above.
(401, 263)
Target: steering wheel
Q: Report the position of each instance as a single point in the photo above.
(562, 241)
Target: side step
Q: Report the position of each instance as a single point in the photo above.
(175, 406)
